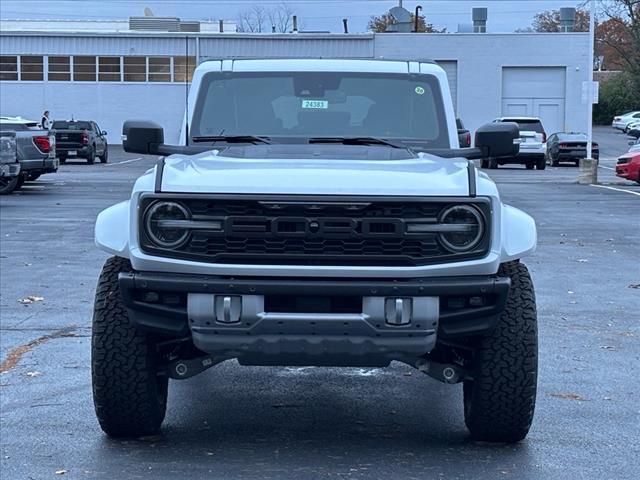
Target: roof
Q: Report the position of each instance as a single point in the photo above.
(518, 118)
(370, 65)
(16, 120)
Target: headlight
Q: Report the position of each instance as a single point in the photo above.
(462, 227)
(165, 223)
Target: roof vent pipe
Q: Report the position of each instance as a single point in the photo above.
(295, 23)
(479, 17)
(345, 25)
(567, 19)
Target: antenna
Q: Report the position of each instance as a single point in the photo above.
(186, 90)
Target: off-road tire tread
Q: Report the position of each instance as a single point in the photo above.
(127, 397)
(500, 401)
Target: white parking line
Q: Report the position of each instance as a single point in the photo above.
(608, 168)
(124, 161)
(617, 189)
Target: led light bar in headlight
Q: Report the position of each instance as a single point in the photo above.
(463, 227)
(162, 222)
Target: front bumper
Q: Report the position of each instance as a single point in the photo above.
(628, 171)
(9, 169)
(320, 322)
(40, 166)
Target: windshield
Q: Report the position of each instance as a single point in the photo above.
(71, 126)
(525, 125)
(322, 104)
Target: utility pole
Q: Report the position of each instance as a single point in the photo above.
(592, 20)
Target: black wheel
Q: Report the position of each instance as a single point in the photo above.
(130, 397)
(62, 159)
(104, 158)
(91, 157)
(33, 177)
(484, 163)
(21, 179)
(493, 163)
(555, 162)
(529, 165)
(499, 402)
(8, 184)
(541, 163)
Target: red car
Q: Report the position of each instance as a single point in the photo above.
(629, 166)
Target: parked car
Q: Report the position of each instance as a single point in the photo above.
(569, 147)
(634, 146)
(307, 244)
(633, 129)
(9, 164)
(80, 139)
(532, 144)
(628, 166)
(621, 122)
(35, 148)
(464, 135)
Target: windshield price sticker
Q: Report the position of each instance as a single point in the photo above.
(419, 90)
(315, 104)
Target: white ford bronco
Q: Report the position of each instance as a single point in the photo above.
(316, 212)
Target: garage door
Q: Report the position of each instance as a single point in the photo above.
(452, 75)
(535, 92)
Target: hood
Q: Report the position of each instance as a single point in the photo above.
(215, 173)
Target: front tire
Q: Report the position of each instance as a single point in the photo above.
(499, 402)
(541, 163)
(91, 157)
(104, 158)
(529, 165)
(130, 397)
(484, 163)
(493, 163)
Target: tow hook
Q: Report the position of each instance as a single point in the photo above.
(444, 372)
(181, 369)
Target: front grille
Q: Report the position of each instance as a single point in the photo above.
(311, 231)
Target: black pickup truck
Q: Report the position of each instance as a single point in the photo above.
(80, 139)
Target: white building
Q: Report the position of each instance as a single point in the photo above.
(111, 76)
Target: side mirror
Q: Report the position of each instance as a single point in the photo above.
(500, 139)
(142, 136)
(103, 133)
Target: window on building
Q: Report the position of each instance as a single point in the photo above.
(84, 69)
(183, 66)
(31, 67)
(8, 67)
(59, 69)
(135, 69)
(109, 69)
(159, 69)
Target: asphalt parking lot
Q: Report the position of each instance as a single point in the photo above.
(243, 423)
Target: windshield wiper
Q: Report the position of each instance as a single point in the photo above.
(232, 139)
(356, 141)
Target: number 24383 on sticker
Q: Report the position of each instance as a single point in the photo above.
(315, 104)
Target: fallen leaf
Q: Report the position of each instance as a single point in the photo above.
(570, 292)
(34, 374)
(608, 347)
(61, 472)
(582, 260)
(634, 285)
(568, 396)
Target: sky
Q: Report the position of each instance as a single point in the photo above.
(324, 15)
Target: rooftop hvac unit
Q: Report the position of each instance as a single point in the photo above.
(155, 24)
(190, 26)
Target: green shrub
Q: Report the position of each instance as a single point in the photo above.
(617, 95)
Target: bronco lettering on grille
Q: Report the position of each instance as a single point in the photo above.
(314, 227)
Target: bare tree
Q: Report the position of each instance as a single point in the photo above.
(253, 20)
(258, 19)
(281, 18)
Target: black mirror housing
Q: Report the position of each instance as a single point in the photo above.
(142, 136)
(499, 139)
